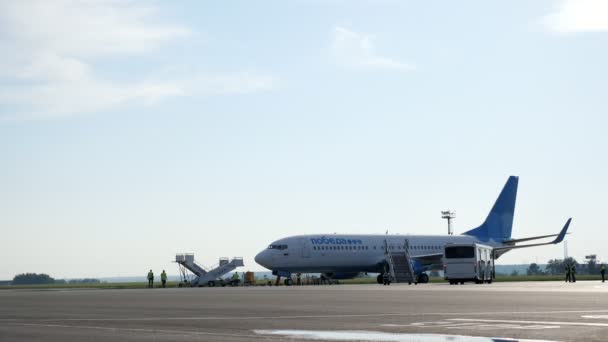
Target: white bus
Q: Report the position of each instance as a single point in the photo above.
(468, 262)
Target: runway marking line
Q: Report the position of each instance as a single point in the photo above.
(506, 326)
(235, 318)
(595, 316)
(471, 325)
(428, 325)
(587, 324)
(141, 330)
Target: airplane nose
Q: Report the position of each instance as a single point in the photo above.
(262, 258)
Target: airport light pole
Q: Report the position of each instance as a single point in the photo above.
(449, 215)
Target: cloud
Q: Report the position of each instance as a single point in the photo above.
(233, 83)
(56, 48)
(356, 50)
(61, 99)
(86, 28)
(578, 16)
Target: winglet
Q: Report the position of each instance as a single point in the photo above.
(562, 234)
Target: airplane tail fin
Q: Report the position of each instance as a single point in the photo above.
(499, 223)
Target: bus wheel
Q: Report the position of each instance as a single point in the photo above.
(423, 278)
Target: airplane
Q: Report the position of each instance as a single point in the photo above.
(340, 256)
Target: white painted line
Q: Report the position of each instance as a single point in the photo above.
(428, 325)
(529, 322)
(480, 326)
(470, 325)
(236, 318)
(595, 316)
(156, 331)
(539, 327)
(455, 325)
(506, 326)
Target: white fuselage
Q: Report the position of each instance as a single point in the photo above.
(350, 253)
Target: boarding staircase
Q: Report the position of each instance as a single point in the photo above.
(400, 264)
(207, 276)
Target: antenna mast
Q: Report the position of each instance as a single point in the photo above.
(449, 215)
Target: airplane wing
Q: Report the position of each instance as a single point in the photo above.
(558, 239)
(513, 241)
(429, 258)
(436, 259)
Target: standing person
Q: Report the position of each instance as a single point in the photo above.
(386, 278)
(150, 279)
(235, 279)
(603, 271)
(573, 272)
(163, 278)
(567, 269)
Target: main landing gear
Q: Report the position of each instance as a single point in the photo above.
(423, 278)
(288, 281)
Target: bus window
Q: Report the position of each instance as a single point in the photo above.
(460, 252)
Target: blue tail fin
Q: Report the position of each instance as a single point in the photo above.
(499, 223)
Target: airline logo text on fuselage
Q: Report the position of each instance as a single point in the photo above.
(335, 241)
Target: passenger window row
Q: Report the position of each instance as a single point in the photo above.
(324, 248)
(417, 247)
(335, 248)
(427, 247)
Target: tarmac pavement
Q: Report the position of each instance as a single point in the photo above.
(554, 311)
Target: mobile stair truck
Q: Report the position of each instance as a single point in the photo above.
(205, 276)
(400, 266)
(468, 262)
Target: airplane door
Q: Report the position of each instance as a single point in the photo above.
(305, 248)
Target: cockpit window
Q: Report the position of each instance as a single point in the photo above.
(279, 247)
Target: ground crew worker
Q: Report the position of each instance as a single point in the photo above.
(299, 279)
(386, 279)
(150, 279)
(603, 271)
(573, 272)
(235, 278)
(163, 278)
(567, 269)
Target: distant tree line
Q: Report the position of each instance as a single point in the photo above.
(42, 278)
(32, 279)
(558, 266)
(84, 281)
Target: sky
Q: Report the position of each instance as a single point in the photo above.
(134, 130)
